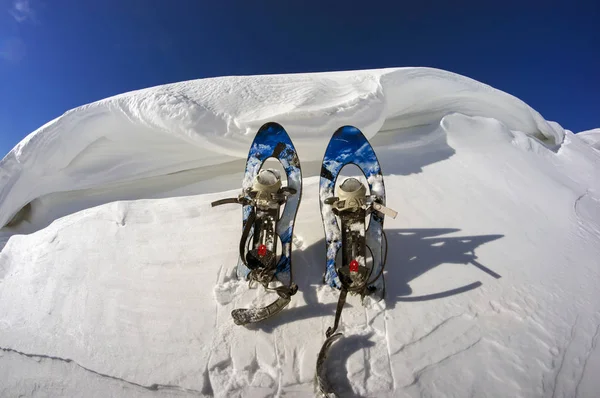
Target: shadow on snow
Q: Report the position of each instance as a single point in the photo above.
(411, 253)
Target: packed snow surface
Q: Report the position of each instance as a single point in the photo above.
(117, 277)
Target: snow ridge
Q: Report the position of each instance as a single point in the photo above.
(202, 123)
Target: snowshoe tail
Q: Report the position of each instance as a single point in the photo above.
(323, 383)
(243, 316)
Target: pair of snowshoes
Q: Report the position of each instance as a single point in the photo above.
(355, 251)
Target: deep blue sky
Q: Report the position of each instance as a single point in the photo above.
(59, 54)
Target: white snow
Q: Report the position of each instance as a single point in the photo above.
(592, 137)
(117, 279)
(211, 122)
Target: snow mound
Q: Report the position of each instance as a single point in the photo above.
(206, 123)
(120, 278)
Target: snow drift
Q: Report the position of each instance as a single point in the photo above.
(203, 123)
(118, 278)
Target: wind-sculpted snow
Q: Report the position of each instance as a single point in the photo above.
(491, 277)
(592, 137)
(203, 123)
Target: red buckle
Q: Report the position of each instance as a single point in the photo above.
(262, 250)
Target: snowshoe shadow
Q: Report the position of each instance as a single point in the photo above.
(411, 253)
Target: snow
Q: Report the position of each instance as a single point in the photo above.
(211, 122)
(592, 137)
(119, 278)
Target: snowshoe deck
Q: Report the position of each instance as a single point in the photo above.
(349, 146)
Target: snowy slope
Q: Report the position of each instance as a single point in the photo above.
(118, 279)
(592, 137)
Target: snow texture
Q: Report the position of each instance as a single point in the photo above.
(210, 122)
(118, 278)
(592, 137)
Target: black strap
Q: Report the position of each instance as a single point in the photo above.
(338, 312)
(344, 291)
(240, 200)
(249, 222)
(245, 234)
(383, 261)
(225, 201)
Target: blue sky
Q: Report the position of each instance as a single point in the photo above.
(58, 54)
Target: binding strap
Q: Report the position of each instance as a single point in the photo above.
(240, 200)
(245, 234)
(338, 312)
